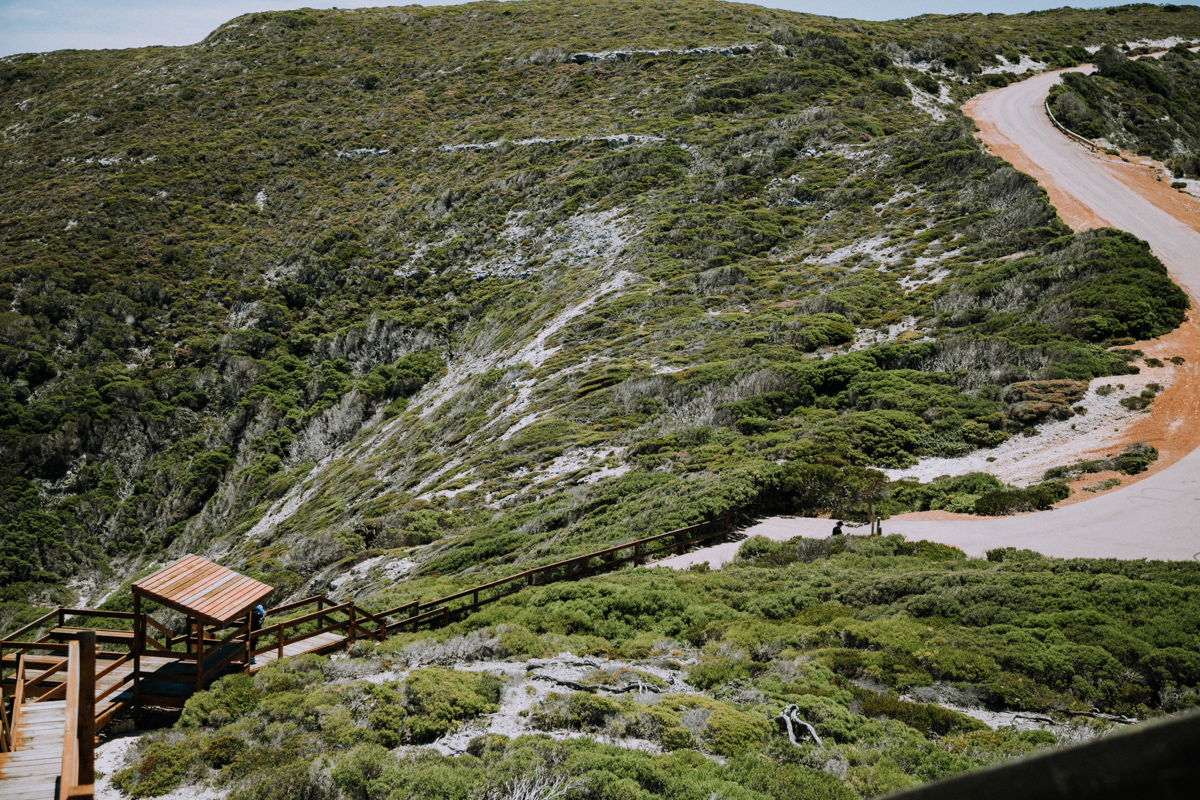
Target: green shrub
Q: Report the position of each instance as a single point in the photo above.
(730, 732)
(438, 699)
(228, 699)
(930, 720)
(158, 770)
(221, 751)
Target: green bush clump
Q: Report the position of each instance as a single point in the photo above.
(221, 751)
(438, 699)
(930, 720)
(1132, 460)
(729, 732)
(711, 673)
(231, 697)
(159, 769)
(1038, 497)
(976, 493)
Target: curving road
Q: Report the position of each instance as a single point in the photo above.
(1155, 518)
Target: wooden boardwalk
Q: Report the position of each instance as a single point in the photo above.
(321, 643)
(31, 770)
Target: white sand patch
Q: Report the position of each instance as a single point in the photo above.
(1155, 44)
(534, 354)
(605, 472)
(854, 250)
(584, 238)
(346, 155)
(870, 337)
(372, 572)
(242, 316)
(1025, 64)
(432, 478)
(744, 49)
(110, 759)
(507, 409)
(576, 459)
(1022, 460)
(528, 684)
(410, 267)
(616, 140)
(926, 102)
(291, 501)
(922, 278)
(525, 421)
(898, 197)
(357, 571)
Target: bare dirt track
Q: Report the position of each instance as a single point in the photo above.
(1157, 517)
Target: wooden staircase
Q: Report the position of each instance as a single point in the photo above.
(47, 745)
(31, 770)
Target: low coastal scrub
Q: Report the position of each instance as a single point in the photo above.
(1132, 460)
(204, 314)
(869, 642)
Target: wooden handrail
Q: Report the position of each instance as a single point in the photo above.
(409, 605)
(58, 664)
(91, 612)
(344, 607)
(1064, 129)
(79, 739)
(298, 603)
(70, 754)
(443, 611)
(158, 626)
(640, 555)
(24, 647)
(5, 745)
(18, 696)
(31, 626)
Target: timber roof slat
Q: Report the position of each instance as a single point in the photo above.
(168, 573)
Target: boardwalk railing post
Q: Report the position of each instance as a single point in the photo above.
(350, 630)
(637, 554)
(199, 655)
(279, 639)
(139, 643)
(87, 708)
(69, 766)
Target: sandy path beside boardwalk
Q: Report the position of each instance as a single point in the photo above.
(1157, 517)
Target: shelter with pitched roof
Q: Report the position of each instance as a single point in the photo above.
(214, 599)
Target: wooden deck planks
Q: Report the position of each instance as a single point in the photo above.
(31, 771)
(317, 644)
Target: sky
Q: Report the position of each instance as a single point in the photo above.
(34, 26)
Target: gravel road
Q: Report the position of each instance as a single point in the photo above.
(1155, 518)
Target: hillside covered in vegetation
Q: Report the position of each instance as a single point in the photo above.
(387, 302)
(335, 282)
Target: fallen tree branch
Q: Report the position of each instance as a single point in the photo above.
(592, 687)
(1100, 715)
(535, 663)
(1033, 718)
(790, 715)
